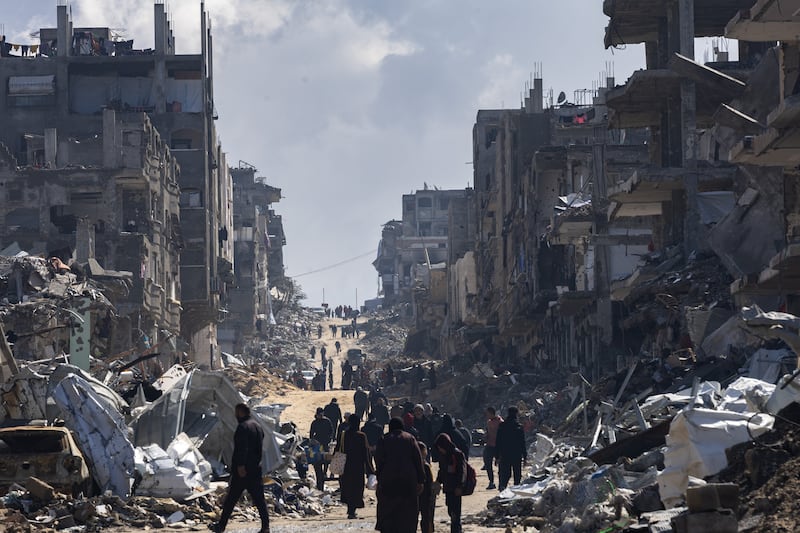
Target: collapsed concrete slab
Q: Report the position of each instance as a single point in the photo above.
(201, 404)
(101, 433)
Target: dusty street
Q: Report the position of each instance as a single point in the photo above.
(301, 412)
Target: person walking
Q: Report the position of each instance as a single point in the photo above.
(246, 471)
(417, 374)
(401, 479)
(323, 351)
(322, 432)
(493, 421)
(511, 449)
(432, 378)
(422, 425)
(338, 346)
(357, 465)
(330, 373)
(361, 401)
(448, 428)
(373, 431)
(334, 414)
(451, 476)
(466, 434)
(427, 500)
(381, 413)
(313, 352)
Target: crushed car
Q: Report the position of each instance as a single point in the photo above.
(48, 453)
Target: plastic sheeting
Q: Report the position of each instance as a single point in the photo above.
(176, 473)
(88, 94)
(714, 205)
(766, 365)
(189, 93)
(101, 434)
(696, 446)
(201, 404)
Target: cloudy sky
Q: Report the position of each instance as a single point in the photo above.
(348, 104)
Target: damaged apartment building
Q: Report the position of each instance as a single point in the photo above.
(258, 242)
(109, 157)
(414, 255)
(635, 220)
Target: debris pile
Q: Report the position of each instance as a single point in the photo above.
(632, 452)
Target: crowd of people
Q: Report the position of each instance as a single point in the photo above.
(399, 444)
(394, 445)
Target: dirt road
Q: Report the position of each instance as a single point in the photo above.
(301, 412)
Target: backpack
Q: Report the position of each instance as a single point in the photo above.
(469, 480)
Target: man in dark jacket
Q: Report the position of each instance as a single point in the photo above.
(373, 431)
(511, 450)
(246, 471)
(423, 426)
(334, 414)
(401, 478)
(322, 432)
(361, 401)
(381, 413)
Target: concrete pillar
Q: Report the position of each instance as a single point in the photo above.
(689, 129)
(63, 32)
(160, 28)
(84, 240)
(537, 96)
(110, 139)
(50, 147)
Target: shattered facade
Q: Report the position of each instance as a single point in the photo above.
(61, 110)
(250, 309)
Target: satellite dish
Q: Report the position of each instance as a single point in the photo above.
(562, 97)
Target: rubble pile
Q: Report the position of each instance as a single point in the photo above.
(674, 306)
(385, 332)
(630, 452)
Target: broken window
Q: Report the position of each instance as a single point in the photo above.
(441, 231)
(181, 144)
(444, 203)
(424, 229)
(191, 198)
(14, 193)
(424, 202)
(23, 219)
(491, 135)
(408, 205)
(62, 217)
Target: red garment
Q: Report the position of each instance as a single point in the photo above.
(491, 430)
(408, 420)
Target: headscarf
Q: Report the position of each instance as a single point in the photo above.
(445, 442)
(353, 422)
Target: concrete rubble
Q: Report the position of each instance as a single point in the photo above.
(157, 446)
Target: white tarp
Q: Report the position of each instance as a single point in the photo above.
(176, 473)
(101, 434)
(696, 446)
(746, 395)
(766, 365)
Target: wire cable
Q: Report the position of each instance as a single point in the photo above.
(335, 265)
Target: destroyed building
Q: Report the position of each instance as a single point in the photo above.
(98, 112)
(250, 309)
(414, 254)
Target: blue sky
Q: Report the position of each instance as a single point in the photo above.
(347, 105)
